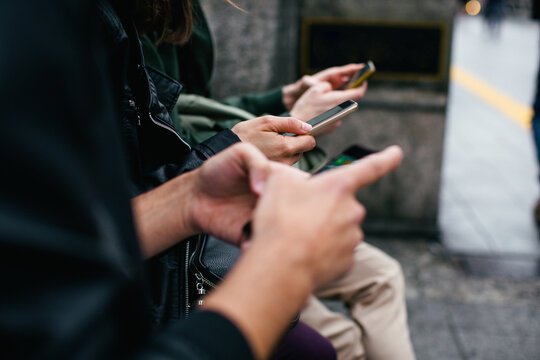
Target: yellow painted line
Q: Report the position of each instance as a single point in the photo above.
(518, 112)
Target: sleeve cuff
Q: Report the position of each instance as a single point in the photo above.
(270, 102)
(273, 101)
(218, 337)
(218, 142)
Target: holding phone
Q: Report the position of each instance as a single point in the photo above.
(327, 118)
(359, 77)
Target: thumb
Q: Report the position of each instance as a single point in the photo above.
(309, 81)
(255, 165)
(290, 125)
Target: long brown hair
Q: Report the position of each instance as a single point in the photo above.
(172, 20)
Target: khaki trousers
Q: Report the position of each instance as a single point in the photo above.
(373, 291)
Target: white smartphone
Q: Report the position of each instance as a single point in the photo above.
(327, 118)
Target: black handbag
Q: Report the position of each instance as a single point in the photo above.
(210, 261)
(212, 258)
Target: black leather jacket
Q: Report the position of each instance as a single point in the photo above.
(155, 153)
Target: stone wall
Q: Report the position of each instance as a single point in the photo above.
(260, 49)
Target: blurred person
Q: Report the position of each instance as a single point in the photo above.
(536, 109)
(374, 290)
(156, 154)
(73, 285)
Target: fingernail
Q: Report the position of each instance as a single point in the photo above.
(306, 127)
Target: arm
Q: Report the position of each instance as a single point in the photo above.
(288, 256)
(281, 100)
(218, 198)
(313, 95)
(269, 102)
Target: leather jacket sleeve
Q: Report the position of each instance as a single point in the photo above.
(192, 160)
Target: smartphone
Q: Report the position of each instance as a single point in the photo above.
(327, 118)
(351, 154)
(359, 77)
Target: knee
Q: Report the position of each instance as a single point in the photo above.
(385, 280)
(394, 277)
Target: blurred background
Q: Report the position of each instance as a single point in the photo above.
(454, 86)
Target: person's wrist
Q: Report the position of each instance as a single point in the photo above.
(189, 204)
(290, 254)
(237, 130)
(262, 318)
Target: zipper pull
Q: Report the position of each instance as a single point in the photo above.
(200, 290)
(134, 107)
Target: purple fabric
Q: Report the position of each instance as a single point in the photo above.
(303, 342)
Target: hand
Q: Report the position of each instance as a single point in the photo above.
(226, 189)
(321, 244)
(321, 97)
(263, 132)
(291, 254)
(217, 198)
(336, 76)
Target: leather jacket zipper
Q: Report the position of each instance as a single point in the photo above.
(158, 123)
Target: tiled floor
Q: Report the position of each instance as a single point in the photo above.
(489, 184)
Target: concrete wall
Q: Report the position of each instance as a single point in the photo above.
(254, 51)
(260, 49)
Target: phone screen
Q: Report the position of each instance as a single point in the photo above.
(350, 155)
(333, 111)
(332, 115)
(341, 160)
(359, 77)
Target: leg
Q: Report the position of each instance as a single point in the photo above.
(304, 343)
(374, 293)
(344, 333)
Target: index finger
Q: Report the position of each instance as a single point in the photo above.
(350, 69)
(365, 171)
(345, 70)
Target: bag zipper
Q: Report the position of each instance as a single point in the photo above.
(201, 282)
(201, 291)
